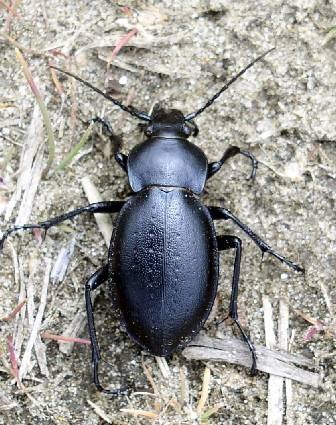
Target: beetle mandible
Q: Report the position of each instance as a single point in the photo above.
(162, 266)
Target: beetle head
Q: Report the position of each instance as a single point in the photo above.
(167, 123)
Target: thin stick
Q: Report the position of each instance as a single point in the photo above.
(163, 365)
(104, 221)
(235, 351)
(275, 383)
(283, 344)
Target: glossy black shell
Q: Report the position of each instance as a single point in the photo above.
(163, 267)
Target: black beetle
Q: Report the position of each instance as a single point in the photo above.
(162, 266)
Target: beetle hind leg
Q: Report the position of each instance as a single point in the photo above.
(232, 242)
(99, 277)
(218, 213)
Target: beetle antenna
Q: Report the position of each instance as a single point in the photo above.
(226, 86)
(130, 109)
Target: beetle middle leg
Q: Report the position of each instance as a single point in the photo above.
(106, 207)
(232, 242)
(218, 213)
(99, 277)
(230, 152)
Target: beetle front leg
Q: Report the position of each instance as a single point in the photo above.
(106, 207)
(218, 213)
(116, 142)
(232, 242)
(230, 152)
(99, 277)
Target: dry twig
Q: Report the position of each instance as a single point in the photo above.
(275, 382)
(233, 350)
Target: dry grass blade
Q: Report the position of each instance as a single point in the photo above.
(184, 389)
(9, 40)
(75, 150)
(37, 323)
(270, 337)
(28, 197)
(64, 338)
(163, 365)
(10, 9)
(120, 44)
(42, 106)
(13, 359)
(331, 35)
(233, 350)
(275, 383)
(8, 22)
(205, 391)
(76, 327)
(56, 82)
(129, 63)
(211, 411)
(284, 345)
(6, 404)
(20, 318)
(150, 378)
(62, 261)
(39, 347)
(31, 162)
(144, 40)
(144, 413)
(14, 312)
(100, 412)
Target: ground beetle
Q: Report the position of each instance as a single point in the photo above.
(162, 266)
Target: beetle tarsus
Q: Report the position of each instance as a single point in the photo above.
(114, 392)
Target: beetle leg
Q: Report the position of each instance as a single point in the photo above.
(106, 207)
(218, 213)
(116, 142)
(227, 242)
(99, 277)
(230, 152)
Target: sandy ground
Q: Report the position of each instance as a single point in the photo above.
(283, 111)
